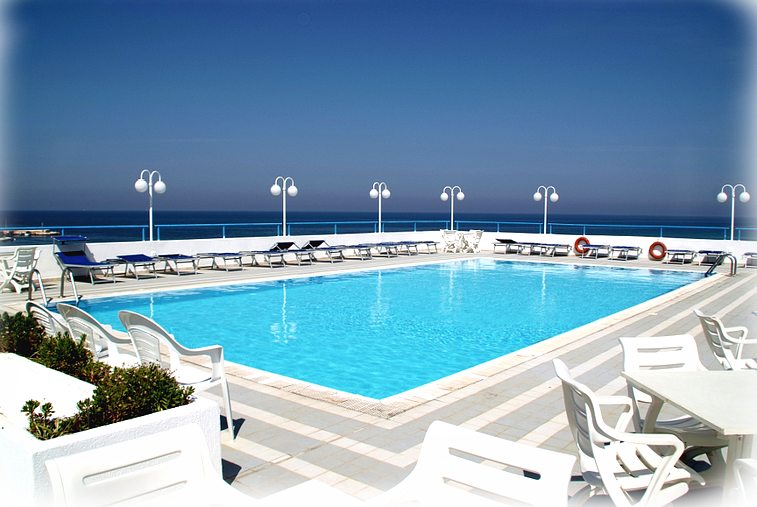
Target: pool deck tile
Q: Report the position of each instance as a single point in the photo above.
(291, 433)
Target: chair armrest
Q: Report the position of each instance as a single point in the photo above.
(742, 331)
(627, 416)
(116, 336)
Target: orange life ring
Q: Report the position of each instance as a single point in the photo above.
(653, 254)
(580, 242)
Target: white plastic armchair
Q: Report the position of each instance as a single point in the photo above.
(670, 353)
(472, 240)
(745, 492)
(51, 322)
(727, 343)
(479, 462)
(449, 240)
(16, 276)
(171, 468)
(147, 337)
(102, 340)
(616, 462)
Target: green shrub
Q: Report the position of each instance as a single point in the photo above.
(43, 426)
(20, 334)
(133, 392)
(64, 354)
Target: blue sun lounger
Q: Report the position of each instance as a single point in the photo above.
(624, 253)
(314, 246)
(137, 260)
(177, 259)
(78, 260)
(236, 257)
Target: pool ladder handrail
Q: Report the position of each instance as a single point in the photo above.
(720, 260)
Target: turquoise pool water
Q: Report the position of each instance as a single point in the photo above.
(381, 332)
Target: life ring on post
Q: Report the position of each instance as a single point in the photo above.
(657, 250)
(580, 242)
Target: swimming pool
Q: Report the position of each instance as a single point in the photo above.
(377, 333)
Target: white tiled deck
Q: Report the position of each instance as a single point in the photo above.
(285, 438)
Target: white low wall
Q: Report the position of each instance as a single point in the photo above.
(23, 476)
(102, 251)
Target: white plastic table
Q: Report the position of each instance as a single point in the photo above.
(724, 400)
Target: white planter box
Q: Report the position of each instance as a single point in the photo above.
(23, 477)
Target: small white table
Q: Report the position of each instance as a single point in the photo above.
(724, 400)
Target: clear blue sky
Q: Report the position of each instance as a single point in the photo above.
(625, 107)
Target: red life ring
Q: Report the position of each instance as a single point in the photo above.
(653, 253)
(580, 242)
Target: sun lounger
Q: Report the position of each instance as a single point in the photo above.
(528, 248)
(289, 247)
(362, 252)
(682, 256)
(226, 257)
(708, 256)
(137, 260)
(272, 258)
(554, 249)
(409, 247)
(386, 249)
(78, 260)
(172, 262)
(624, 253)
(314, 246)
(428, 244)
(750, 260)
(506, 245)
(596, 251)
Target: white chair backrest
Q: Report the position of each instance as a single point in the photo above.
(713, 332)
(133, 470)
(146, 336)
(80, 323)
(577, 407)
(52, 323)
(452, 456)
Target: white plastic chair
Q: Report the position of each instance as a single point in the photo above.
(51, 322)
(165, 469)
(147, 337)
(670, 353)
(727, 347)
(101, 340)
(745, 492)
(16, 276)
(471, 241)
(452, 457)
(616, 462)
(450, 240)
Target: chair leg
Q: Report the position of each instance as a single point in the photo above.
(227, 404)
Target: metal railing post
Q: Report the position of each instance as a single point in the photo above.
(224, 232)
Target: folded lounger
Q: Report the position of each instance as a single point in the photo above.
(554, 249)
(750, 260)
(175, 260)
(708, 256)
(334, 253)
(362, 251)
(273, 258)
(137, 260)
(226, 257)
(624, 253)
(596, 251)
(682, 256)
(78, 260)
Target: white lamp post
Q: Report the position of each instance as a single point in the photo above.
(723, 197)
(538, 196)
(141, 185)
(445, 196)
(378, 193)
(292, 191)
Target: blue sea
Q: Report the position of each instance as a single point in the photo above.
(102, 226)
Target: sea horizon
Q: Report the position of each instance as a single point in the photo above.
(130, 225)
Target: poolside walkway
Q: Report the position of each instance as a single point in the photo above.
(288, 433)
